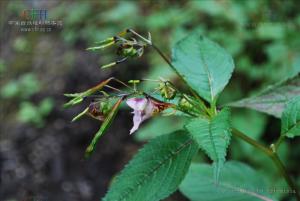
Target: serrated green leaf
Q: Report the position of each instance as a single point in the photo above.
(157, 126)
(237, 182)
(203, 64)
(156, 171)
(273, 99)
(105, 125)
(290, 120)
(213, 136)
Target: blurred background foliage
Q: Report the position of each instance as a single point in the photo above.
(41, 152)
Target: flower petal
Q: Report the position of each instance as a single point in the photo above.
(137, 103)
(158, 106)
(149, 110)
(137, 120)
(144, 108)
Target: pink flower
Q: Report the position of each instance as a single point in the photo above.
(144, 108)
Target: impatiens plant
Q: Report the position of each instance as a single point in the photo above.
(166, 162)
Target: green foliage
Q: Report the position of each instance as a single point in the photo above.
(3, 66)
(237, 182)
(244, 121)
(21, 88)
(156, 171)
(203, 64)
(35, 114)
(157, 126)
(273, 99)
(46, 106)
(290, 120)
(166, 18)
(213, 136)
(206, 69)
(270, 31)
(262, 36)
(265, 48)
(122, 11)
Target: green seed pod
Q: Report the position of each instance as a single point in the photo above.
(130, 52)
(131, 48)
(127, 50)
(167, 91)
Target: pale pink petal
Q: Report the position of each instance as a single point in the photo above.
(148, 111)
(143, 108)
(137, 120)
(137, 103)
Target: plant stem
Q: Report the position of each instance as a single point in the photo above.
(249, 140)
(273, 155)
(175, 70)
(268, 151)
(166, 59)
(277, 143)
(284, 173)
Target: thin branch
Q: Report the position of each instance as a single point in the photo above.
(278, 142)
(273, 155)
(249, 140)
(284, 173)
